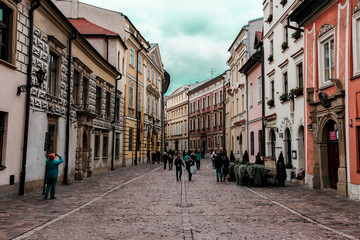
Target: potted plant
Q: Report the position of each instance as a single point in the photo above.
(269, 19)
(289, 168)
(283, 2)
(298, 91)
(283, 97)
(295, 35)
(271, 58)
(271, 102)
(284, 45)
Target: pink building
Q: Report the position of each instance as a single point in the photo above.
(255, 112)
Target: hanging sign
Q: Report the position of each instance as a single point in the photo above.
(333, 135)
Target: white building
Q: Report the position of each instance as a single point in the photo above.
(284, 112)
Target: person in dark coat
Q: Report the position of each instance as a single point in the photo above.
(148, 156)
(189, 163)
(225, 168)
(178, 165)
(165, 159)
(170, 159)
(218, 165)
(52, 174)
(153, 158)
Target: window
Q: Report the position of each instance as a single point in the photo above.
(53, 72)
(185, 126)
(300, 79)
(156, 80)
(2, 136)
(215, 119)
(285, 82)
(329, 59)
(252, 150)
(139, 63)
(198, 104)
(272, 90)
(198, 126)
(132, 57)
(259, 92)
(108, 104)
(326, 46)
(148, 73)
(85, 91)
(215, 98)
(152, 107)
(208, 125)
(356, 42)
(105, 146)
(98, 99)
(260, 142)
(76, 87)
(148, 105)
(117, 110)
(203, 103)
(153, 76)
(271, 47)
(251, 95)
(6, 21)
(97, 145)
(208, 101)
(130, 139)
(117, 145)
(131, 96)
(220, 119)
(220, 97)
(242, 103)
(139, 100)
(285, 33)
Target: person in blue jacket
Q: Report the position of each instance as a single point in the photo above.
(51, 174)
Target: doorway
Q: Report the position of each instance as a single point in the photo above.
(333, 152)
(288, 145)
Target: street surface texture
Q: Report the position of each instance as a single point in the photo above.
(146, 202)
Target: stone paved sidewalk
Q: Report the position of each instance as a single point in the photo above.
(146, 202)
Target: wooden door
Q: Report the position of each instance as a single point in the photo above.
(333, 156)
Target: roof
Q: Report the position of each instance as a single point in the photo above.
(306, 10)
(86, 27)
(180, 89)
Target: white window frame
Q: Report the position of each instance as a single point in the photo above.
(131, 96)
(356, 43)
(251, 90)
(139, 64)
(259, 89)
(132, 57)
(321, 41)
(148, 73)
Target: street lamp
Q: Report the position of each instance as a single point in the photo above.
(40, 75)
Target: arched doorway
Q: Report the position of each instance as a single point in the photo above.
(301, 148)
(330, 137)
(272, 142)
(287, 145)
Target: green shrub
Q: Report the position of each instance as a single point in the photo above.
(236, 172)
(232, 171)
(243, 175)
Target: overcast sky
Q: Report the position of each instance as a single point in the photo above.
(193, 35)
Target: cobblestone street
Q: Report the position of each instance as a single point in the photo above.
(146, 202)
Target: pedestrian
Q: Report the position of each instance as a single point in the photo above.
(153, 158)
(178, 165)
(165, 158)
(170, 159)
(213, 156)
(52, 174)
(218, 165)
(184, 153)
(189, 163)
(148, 157)
(197, 159)
(225, 168)
(186, 157)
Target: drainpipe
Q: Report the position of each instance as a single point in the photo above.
(224, 119)
(137, 103)
(263, 101)
(107, 48)
(246, 116)
(113, 123)
(27, 105)
(67, 141)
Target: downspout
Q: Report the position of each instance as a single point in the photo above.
(137, 102)
(107, 48)
(224, 118)
(67, 141)
(188, 121)
(162, 124)
(27, 105)
(113, 124)
(246, 116)
(263, 100)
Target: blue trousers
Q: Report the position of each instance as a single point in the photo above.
(218, 174)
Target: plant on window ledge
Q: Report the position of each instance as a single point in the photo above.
(296, 34)
(298, 91)
(283, 97)
(269, 19)
(284, 45)
(271, 102)
(271, 58)
(283, 2)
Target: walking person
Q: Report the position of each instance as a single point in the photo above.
(170, 159)
(218, 165)
(225, 168)
(52, 174)
(148, 157)
(153, 158)
(189, 163)
(165, 158)
(178, 165)
(197, 159)
(213, 156)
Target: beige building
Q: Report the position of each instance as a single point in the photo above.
(144, 74)
(177, 120)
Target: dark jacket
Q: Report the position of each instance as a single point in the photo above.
(179, 162)
(189, 163)
(218, 161)
(52, 167)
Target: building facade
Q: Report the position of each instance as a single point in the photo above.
(206, 116)
(177, 120)
(283, 72)
(331, 82)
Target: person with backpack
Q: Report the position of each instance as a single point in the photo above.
(170, 159)
(218, 165)
(197, 159)
(52, 174)
(189, 163)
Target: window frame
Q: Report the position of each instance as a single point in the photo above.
(139, 64)
(3, 136)
(11, 41)
(356, 43)
(131, 96)
(53, 68)
(325, 38)
(259, 89)
(132, 57)
(98, 99)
